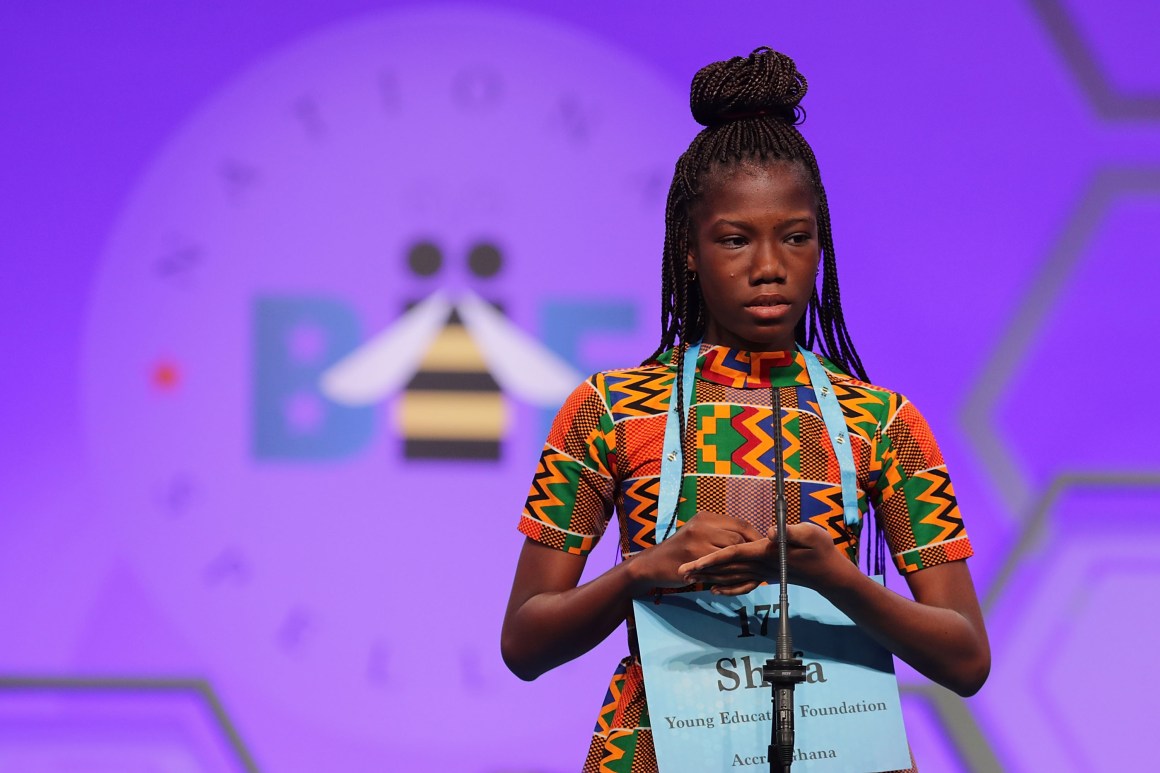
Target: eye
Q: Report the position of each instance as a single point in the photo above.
(733, 242)
(800, 238)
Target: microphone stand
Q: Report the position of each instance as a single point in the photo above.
(784, 671)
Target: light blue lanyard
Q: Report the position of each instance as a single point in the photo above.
(839, 437)
(672, 458)
(672, 453)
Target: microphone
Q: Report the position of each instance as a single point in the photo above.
(783, 671)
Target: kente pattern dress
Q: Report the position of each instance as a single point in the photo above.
(603, 455)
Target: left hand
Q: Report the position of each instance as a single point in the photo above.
(813, 561)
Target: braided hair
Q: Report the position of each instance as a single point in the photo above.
(750, 108)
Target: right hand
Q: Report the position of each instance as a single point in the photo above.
(704, 533)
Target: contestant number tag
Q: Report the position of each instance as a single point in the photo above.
(710, 707)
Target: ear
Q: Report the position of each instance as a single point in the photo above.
(691, 262)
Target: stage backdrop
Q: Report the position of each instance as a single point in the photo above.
(290, 296)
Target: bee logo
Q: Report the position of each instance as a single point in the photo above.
(454, 361)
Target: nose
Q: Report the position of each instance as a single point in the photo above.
(768, 264)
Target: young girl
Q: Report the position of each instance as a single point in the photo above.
(746, 229)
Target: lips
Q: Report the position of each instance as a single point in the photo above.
(767, 301)
(768, 309)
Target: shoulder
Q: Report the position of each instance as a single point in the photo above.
(888, 414)
(863, 396)
(875, 410)
(639, 390)
(649, 371)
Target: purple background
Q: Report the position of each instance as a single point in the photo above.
(994, 173)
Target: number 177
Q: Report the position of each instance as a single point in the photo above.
(760, 612)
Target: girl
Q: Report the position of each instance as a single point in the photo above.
(747, 227)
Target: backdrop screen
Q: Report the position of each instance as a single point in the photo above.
(291, 296)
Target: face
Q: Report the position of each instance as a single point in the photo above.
(754, 246)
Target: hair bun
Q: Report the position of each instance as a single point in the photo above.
(765, 83)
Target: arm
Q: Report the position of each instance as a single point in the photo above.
(940, 634)
(551, 620)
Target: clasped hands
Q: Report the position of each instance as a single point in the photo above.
(732, 557)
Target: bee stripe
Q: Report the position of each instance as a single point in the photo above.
(452, 381)
(453, 350)
(451, 449)
(451, 415)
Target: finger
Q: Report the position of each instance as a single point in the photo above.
(722, 556)
(745, 551)
(745, 529)
(726, 537)
(799, 534)
(728, 523)
(734, 590)
(730, 574)
(726, 578)
(755, 568)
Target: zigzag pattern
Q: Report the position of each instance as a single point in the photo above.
(834, 521)
(756, 443)
(835, 524)
(618, 748)
(830, 500)
(638, 393)
(790, 448)
(639, 508)
(541, 499)
(743, 369)
(611, 703)
(856, 404)
(940, 495)
(717, 363)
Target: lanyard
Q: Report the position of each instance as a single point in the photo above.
(839, 437)
(672, 454)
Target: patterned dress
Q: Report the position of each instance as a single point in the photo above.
(603, 454)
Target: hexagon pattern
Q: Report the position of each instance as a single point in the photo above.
(52, 725)
(1059, 417)
(1071, 634)
(1107, 47)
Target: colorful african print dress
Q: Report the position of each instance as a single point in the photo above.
(603, 454)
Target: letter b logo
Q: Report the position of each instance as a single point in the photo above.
(295, 340)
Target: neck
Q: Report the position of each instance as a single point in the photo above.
(779, 343)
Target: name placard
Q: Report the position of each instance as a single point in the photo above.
(711, 710)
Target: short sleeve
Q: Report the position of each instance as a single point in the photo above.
(913, 497)
(571, 498)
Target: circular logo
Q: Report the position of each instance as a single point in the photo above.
(327, 331)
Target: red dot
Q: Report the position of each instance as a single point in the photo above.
(166, 376)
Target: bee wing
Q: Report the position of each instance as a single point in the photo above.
(522, 365)
(383, 364)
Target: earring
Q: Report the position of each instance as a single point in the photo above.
(690, 276)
